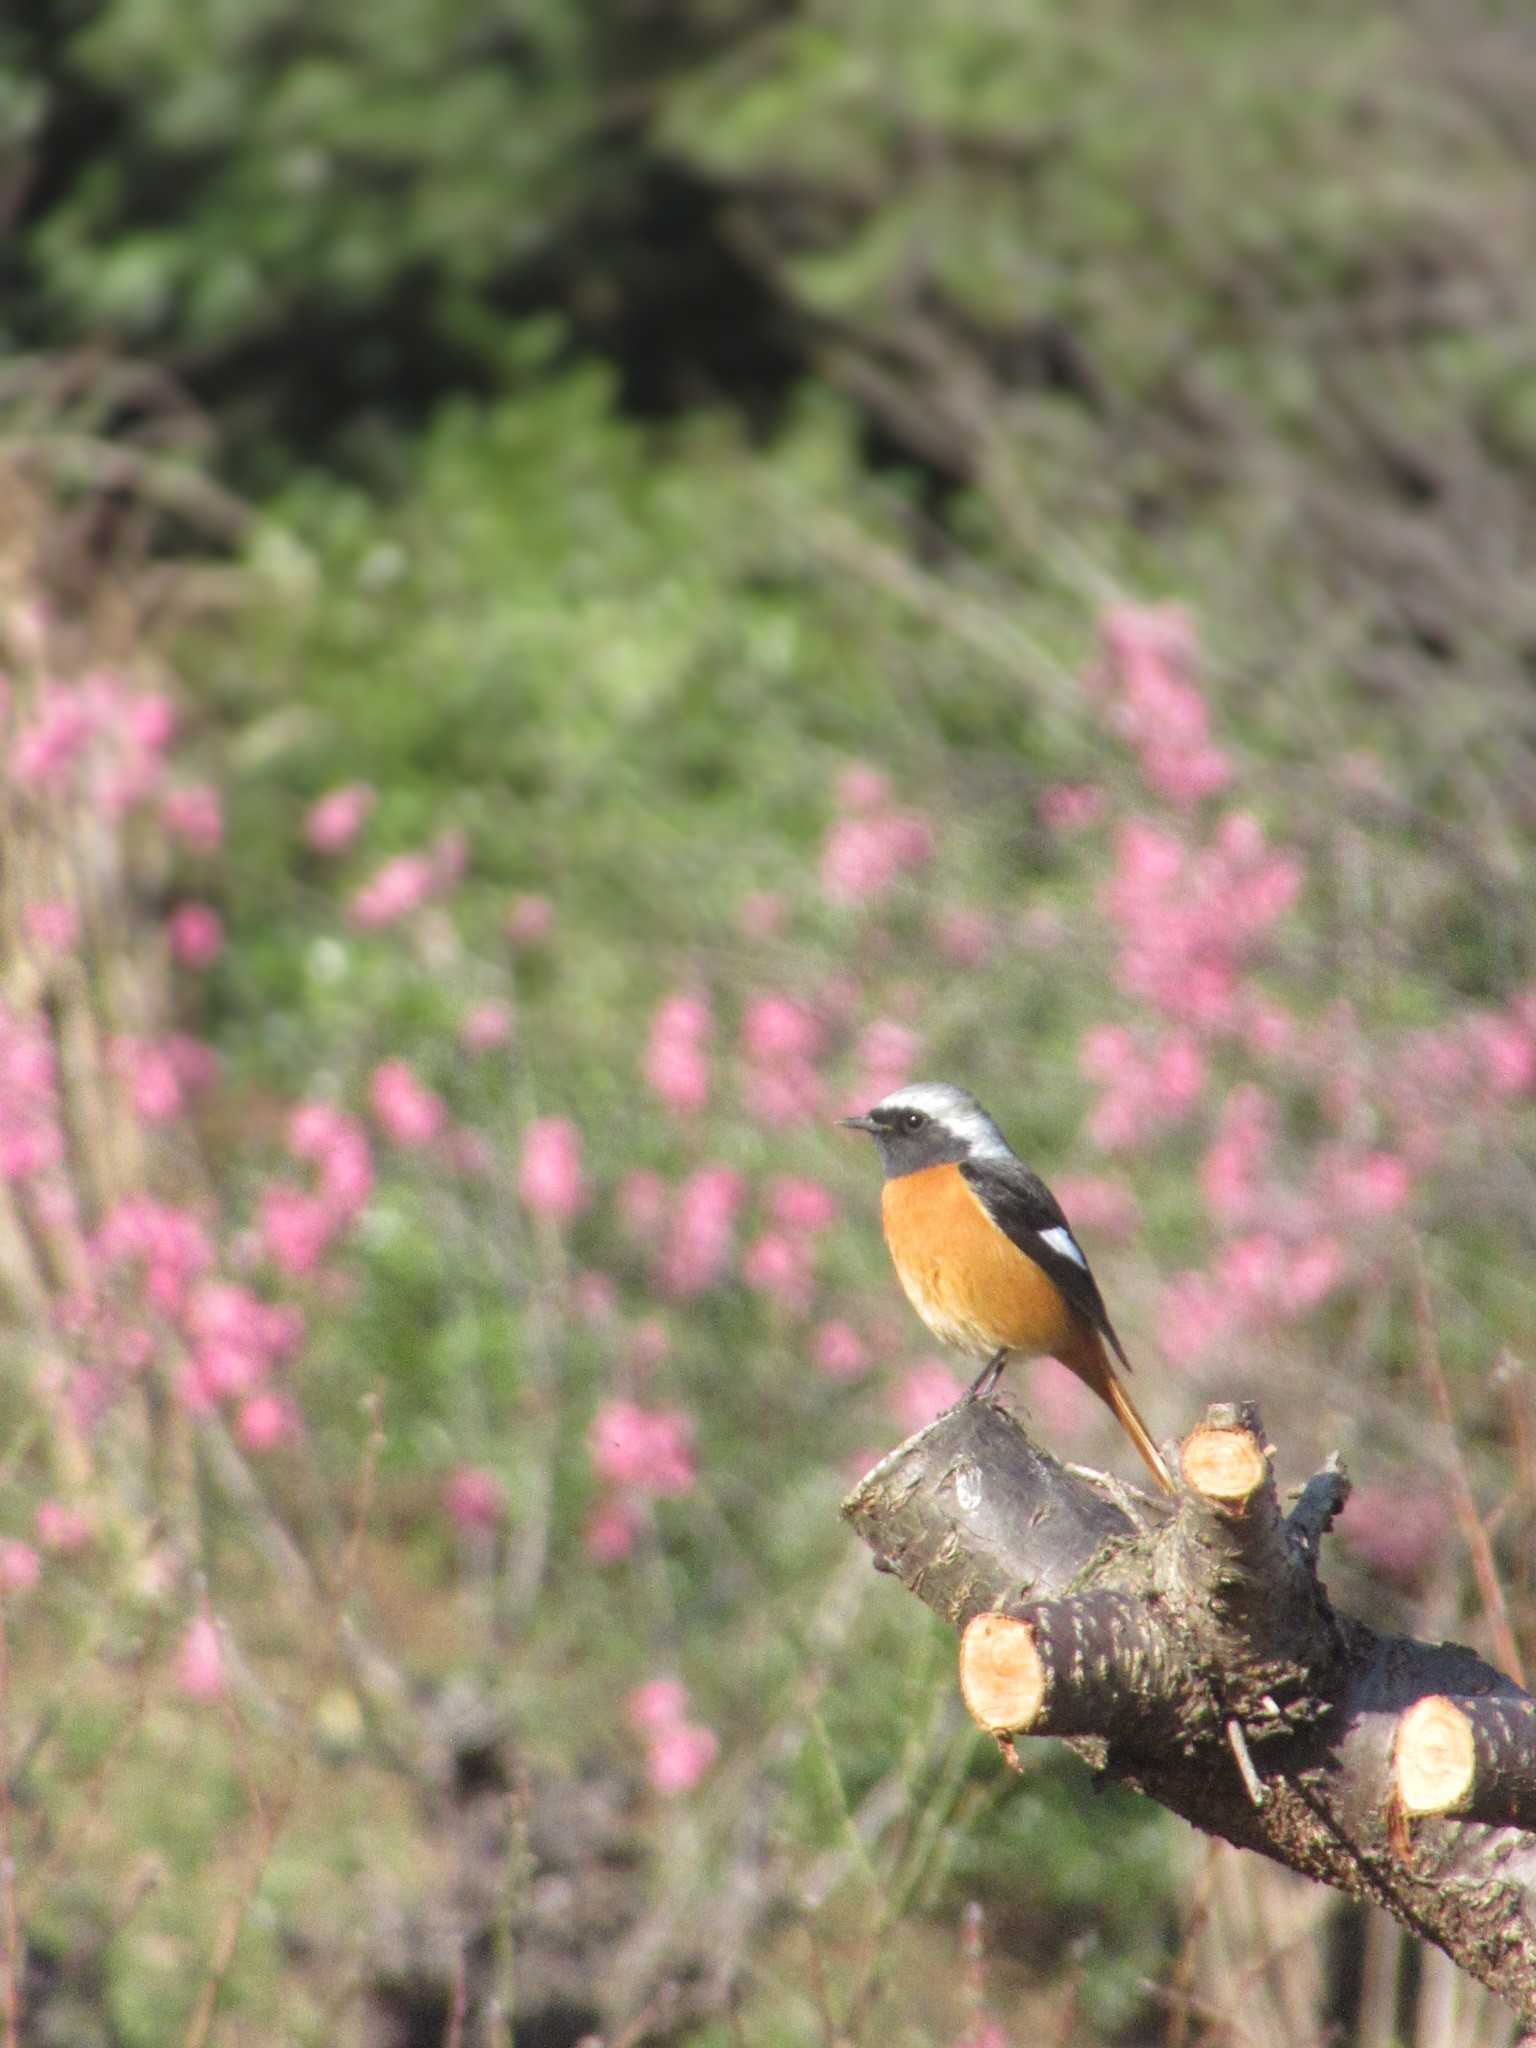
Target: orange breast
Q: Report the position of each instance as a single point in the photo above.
(967, 1279)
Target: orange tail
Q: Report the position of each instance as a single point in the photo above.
(1091, 1363)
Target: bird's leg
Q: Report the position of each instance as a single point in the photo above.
(988, 1377)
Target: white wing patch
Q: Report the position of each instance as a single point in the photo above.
(1060, 1239)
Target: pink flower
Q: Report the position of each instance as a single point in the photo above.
(648, 1344)
(963, 937)
(334, 820)
(923, 1394)
(194, 815)
(266, 1420)
(20, 1565)
(529, 920)
(406, 1112)
(171, 1244)
(642, 1203)
(62, 1528)
(31, 1140)
(612, 1530)
(1150, 662)
(784, 1093)
(200, 1661)
(196, 934)
(1508, 1054)
(549, 1176)
(1196, 1316)
(48, 747)
(154, 1084)
(1364, 1184)
(650, 1449)
(798, 1204)
(659, 1704)
(678, 1758)
(780, 1266)
(400, 886)
(697, 1246)
(1071, 806)
(675, 1062)
(338, 1144)
(149, 720)
(1234, 1169)
(776, 1027)
(486, 1027)
(55, 924)
(839, 1351)
(864, 855)
(296, 1228)
(887, 1053)
(475, 1499)
(1100, 1204)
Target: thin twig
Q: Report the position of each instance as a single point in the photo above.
(1470, 1522)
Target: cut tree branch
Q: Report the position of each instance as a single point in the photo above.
(1189, 1649)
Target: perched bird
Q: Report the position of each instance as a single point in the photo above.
(984, 1253)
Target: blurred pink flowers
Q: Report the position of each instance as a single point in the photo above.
(196, 934)
(400, 886)
(796, 1203)
(676, 1064)
(20, 1565)
(779, 1265)
(1071, 806)
(334, 820)
(194, 814)
(697, 1246)
(1146, 1084)
(679, 1752)
(475, 1499)
(923, 1393)
(1400, 1544)
(406, 1112)
(549, 1175)
(649, 1449)
(1157, 705)
(200, 1661)
(839, 1351)
(486, 1027)
(55, 924)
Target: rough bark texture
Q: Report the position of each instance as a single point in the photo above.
(1188, 1648)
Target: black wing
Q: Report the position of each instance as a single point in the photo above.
(1023, 1207)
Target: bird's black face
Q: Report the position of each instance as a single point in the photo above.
(909, 1139)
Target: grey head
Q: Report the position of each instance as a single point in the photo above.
(929, 1123)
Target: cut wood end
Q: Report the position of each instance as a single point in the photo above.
(1224, 1465)
(1002, 1677)
(1434, 1757)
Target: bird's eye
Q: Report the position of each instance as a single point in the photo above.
(913, 1120)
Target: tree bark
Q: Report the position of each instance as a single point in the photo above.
(1189, 1649)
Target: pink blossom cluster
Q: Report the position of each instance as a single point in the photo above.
(1256, 1281)
(31, 1140)
(1149, 669)
(1189, 922)
(781, 1040)
(475, 1499)
(162, 1074)
(98, 739)
(638, 1454)
(873, 844)
(334, 820)
(236, 1342)
(678, 1752)
(886, 1056)
(676, 1056)
(1147, 1082)
(407, 881)
(298, 1226)
(699, 1235)
(409, 1114)
(549, 1171)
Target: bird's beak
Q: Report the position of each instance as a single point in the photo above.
(858, 1123)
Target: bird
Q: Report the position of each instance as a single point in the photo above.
(984, 1252)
